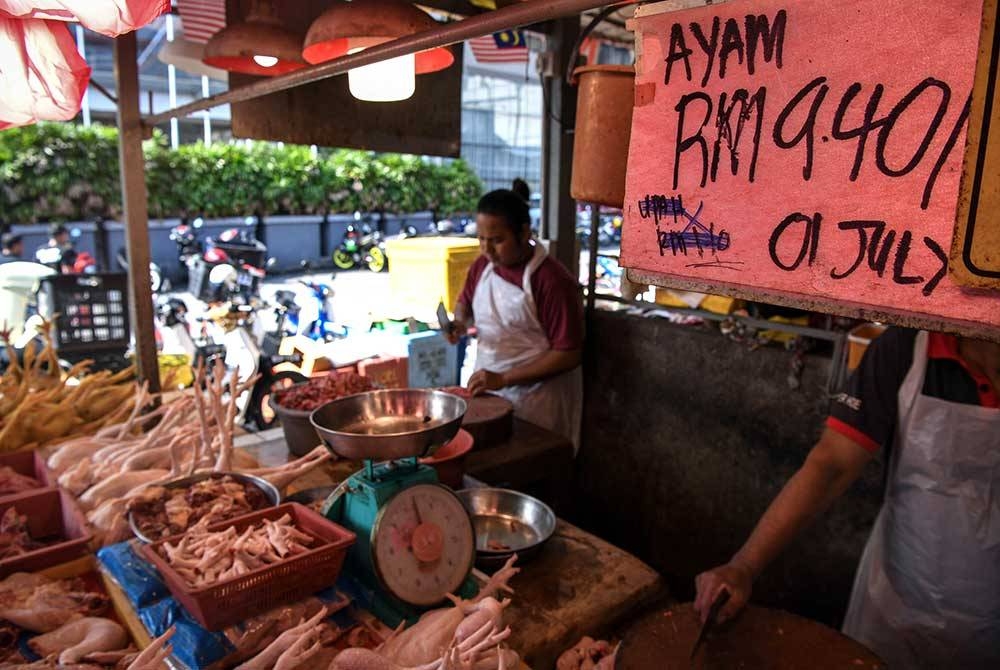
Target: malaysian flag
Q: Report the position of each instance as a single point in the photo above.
(508, 46)
(202, 18)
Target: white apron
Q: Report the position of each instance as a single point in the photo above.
(927, 592)
(510, 334)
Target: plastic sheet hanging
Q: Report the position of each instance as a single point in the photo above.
(108, 17)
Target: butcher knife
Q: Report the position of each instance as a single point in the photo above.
(443, 319)
(710, 620)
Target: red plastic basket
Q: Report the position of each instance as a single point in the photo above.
(50, 512)
(233, 600)
(28, 463)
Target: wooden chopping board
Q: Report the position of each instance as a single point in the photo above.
(758, 639)
(489, 417)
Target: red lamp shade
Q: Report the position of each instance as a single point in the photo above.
(363, 23)
(260, 45)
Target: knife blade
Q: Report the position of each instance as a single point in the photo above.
(443, 320)
(713, 614)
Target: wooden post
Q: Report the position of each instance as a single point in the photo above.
(558, 206)
(134, 209)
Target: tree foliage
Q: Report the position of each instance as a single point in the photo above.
(66, 172)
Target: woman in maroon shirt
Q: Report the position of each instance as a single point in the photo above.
(527, 312)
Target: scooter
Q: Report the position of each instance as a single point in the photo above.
(361, 246)
(235, 247)
(174, 334)
(251, 351)
(315, 321)
(157, 282)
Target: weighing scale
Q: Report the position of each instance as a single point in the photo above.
(415, 539)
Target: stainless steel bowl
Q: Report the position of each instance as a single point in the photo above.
(272, 494)
(507, 522)
(391, 423)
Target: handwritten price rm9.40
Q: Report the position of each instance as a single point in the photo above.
(880, 249)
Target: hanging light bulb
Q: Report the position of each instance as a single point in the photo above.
(259, 45)
(390, 80)
(265, 61)
(350, 27)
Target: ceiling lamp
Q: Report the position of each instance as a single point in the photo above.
(259, 45)
(350, 27)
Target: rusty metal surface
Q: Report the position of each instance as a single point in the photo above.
(325, 113)
(975, 252)
(819, 304)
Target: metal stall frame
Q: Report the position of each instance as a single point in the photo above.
(133, 127)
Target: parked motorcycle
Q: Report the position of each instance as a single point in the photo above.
(157, 282)
(314, 320)
(251, 351)
(361, 245)
(235, 247)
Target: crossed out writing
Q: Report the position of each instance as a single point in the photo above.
(695, 236)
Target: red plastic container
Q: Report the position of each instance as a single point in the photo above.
(230, 601)
(28, 463)
(386, 372)
(449, 460)
(50, 512)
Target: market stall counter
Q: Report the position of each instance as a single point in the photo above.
(576, 585)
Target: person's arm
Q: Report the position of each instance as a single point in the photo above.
(831, 467)
(548, 364)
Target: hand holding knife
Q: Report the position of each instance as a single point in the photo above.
(713, 614)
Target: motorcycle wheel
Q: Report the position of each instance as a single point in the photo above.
(377, 262)
(265, 417)
(343, 259)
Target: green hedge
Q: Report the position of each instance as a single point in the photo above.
(66, 172)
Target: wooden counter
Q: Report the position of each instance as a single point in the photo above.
(534, 460)
(577, 585)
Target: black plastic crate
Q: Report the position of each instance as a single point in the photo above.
(92, 311)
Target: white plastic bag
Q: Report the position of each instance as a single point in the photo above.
(109, 17)
(42, 76)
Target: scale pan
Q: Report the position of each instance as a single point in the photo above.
(389, 424)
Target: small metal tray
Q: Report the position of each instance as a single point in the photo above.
(265, 487)
(517, 522)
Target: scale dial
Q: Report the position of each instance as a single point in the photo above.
(423, 544)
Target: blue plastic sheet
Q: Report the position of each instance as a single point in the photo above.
(193, 646)
(137, 578)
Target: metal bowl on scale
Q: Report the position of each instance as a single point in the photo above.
(389, 424)
(506, 523)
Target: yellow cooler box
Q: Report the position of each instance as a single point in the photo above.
(424, 270)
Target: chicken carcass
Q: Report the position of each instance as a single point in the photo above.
(40, 604)
(433, 633)
(74, 640)
(12, 482)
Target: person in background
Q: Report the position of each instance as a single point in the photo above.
(527, 311)
(11, 247)
(927, 592)
(59, 241)
(521, 187)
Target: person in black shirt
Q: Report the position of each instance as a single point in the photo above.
(11, 247)
(927, 592)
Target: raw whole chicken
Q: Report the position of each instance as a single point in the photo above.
(427, 639)
(40, 604)
(74, 640)
(467, 636)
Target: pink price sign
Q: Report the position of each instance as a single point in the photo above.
(808, 152)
